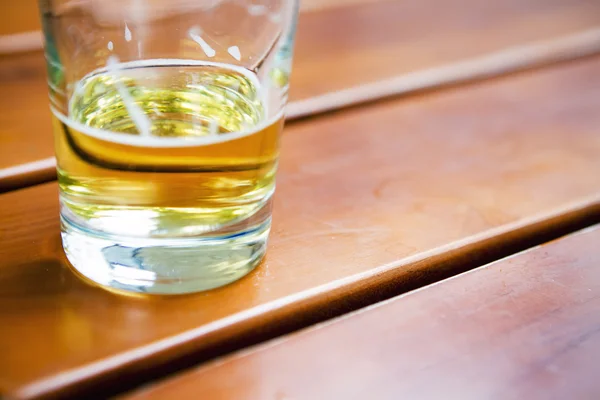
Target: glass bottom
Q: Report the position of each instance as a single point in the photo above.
(165, 265)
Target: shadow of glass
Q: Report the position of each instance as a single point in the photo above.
(43, 277)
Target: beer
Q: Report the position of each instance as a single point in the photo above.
(208, 156)
(163, 149)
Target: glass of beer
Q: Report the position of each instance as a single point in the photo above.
(167, 116)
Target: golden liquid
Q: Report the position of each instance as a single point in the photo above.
(189, 150)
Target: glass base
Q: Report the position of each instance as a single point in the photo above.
(164, 265)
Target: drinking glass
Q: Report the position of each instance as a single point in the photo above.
(167, 117)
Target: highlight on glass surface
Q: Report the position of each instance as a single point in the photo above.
(167, 117)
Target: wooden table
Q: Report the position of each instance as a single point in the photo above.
(420, 188)
(497, 175)
(525, 327)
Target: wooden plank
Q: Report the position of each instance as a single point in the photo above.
(526, 327)
(19, 16)
(23, 15)
(371, 202)
(345, 47)
(25, 130)
(353, 45)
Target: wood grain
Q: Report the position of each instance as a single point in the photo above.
(338, 47)
(526, 327)
(371, 202)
